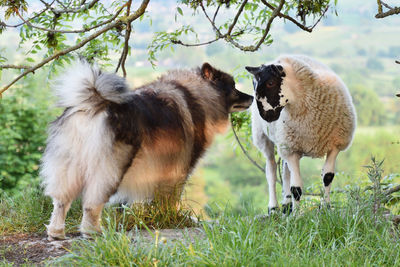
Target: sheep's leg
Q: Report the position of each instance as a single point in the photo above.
(328, 172)
(296, 183)
(286, 194)
(268, 149)
(270, 173)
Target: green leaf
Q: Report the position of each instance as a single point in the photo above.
(30, 59)
(180, 11)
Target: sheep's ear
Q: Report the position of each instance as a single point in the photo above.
(253, 70)
(208, 72)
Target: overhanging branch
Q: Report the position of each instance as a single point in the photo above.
(17, 67)
(140, 11)
(230, 36)
(389, 12)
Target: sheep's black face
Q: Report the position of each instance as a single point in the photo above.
(267, 83)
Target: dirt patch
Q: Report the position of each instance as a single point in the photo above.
(35, 249)
(171, 235)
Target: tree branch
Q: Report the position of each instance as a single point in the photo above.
(18, 67)
(198, 44)
(383, 14)
(215, 28)
(379, 6)
(245, 152)
(392, 190)
(140, 11)
(29, 19)
(271, 19)
(75, 10)
(236, 17)
(125, 51)
(229, 37)
(73, 31)
(298, 24)
(293, 20)
(216, 12)
(394, 11)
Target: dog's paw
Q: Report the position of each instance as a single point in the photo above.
(54, 234)
(90, 232)
(89, 236)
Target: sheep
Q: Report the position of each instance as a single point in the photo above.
(304, 109)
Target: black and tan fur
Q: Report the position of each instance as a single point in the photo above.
(120, 145)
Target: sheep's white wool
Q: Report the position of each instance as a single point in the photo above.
(318, 119)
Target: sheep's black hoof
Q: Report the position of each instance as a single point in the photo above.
(327, 206)
(287, 208)
(296, 192)
(328, 177)
(272, 210)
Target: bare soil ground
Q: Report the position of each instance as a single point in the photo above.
(34, 249)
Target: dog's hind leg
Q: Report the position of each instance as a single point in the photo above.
(98, 188)
(63, 186)
(95, 195)
(55, 229)
(91, 218)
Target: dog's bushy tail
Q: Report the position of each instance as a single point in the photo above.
(86, 85)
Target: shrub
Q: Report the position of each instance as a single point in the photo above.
(23, 122)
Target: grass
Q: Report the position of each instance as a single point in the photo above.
(29, 212)
(349, 234)
(154, 215)
(352, 233)
(346, 235)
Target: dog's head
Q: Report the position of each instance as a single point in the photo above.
(267, 82)
(224, 83)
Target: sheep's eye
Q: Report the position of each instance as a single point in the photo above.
(271, 84)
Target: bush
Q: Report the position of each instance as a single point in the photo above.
(23, 122)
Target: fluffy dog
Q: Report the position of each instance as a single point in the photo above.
(120, 145)
(304, 109)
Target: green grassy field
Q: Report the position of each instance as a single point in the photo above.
(349, 234)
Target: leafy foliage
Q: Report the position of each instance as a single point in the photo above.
(248, 27)
(23, 124)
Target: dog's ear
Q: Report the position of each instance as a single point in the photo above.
(208, 72)
(253, 70)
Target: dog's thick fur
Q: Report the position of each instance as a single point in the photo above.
(304, 109)
(122, 145)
